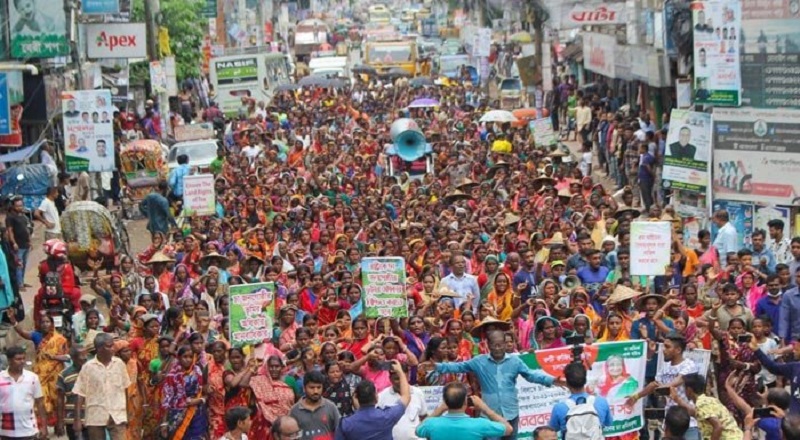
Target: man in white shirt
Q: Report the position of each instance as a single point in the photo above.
(462, 283)
(20, 395)
(727, 238)
(583, 120)
(406, 427)
(47, 213)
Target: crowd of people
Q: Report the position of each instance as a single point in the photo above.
(494, 240)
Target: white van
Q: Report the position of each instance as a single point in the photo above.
(334, 67)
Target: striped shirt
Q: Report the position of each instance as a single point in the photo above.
(64, 383)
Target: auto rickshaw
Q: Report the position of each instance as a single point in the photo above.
(143, 165)
(94, 236)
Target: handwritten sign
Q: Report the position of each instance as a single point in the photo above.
(250, 321)
(433, 397)
(384, 281)
(650, 247)
(543, 134)
(199, 196)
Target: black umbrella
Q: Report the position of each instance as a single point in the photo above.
(287, 88)
(363, 68)
(396, 72)
(313, 81)
(420, 82)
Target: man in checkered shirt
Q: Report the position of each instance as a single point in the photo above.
(20, 400)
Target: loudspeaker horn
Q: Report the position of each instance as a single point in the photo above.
(408, 139)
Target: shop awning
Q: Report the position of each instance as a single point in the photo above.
(21, 154)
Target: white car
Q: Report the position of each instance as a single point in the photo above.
(201, 153)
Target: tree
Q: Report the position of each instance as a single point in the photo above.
(186, 25)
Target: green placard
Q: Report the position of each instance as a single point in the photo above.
(250, 321)
(384, 281)
(210, 9)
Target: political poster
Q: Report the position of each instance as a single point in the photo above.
(770, 53)
(650, 247)
(740, 215)
(88, 130)
(616, 371)
(688, 151)
(702, 358)
(37, 29)
(757, 155)
(543, 133)
(384, 281)
(199, 196)
(14, 139)
(252, 313)
(717, 76)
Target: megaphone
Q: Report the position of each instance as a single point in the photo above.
(408, 139)
(571, 283)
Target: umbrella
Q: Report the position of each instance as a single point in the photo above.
(498, 116)
(338, 83)
(524, 115)
(313, 81)
(287, 88)
(423, 102)
(363, 68)
(420, 82)
(396, 72)
(521, 37)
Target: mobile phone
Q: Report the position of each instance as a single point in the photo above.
(760, 413)
(744, 338)
(654, 413)
(662, 391)
(385, 366)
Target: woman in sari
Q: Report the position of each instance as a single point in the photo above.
(501, 296)
(464, 345)
(487, 279)
(186, 415)
(435, 353)
(158, 243)
(215, 389)
(145, 350)
(237, 380)
(135, 390)
(51, 354)
(130, 278)
(273, 397)
(181, 284)
(547, 334)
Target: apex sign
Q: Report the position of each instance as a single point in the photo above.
(116, 40)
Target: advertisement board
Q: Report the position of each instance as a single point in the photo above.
(757, 155)
(599, 53)
(688, 151)
(116, 40)
(88, 130)
(716, 28)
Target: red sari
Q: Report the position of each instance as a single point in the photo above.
(216, 398)
(272, 399)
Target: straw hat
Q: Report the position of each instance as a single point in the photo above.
(160, 257)
(556, 239)
(221, 260)
(456, 195)
(500, 164)
(467, 185)
(661, 299)
(446, 292)
(622, 293)
(511, 218)
(558, 153)
(632, 211)
(487, 321)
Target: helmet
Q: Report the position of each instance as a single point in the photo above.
(55, 248)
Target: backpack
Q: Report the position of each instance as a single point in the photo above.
(583, 422)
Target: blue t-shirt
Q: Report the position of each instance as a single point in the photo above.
(459, 427)
(771, 427)
(558, 417)
(644, 174)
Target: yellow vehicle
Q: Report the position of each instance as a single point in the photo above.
(379, 14)
(384, 55)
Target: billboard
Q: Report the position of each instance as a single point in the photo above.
(688, 151)
(770, 53)
(717, 78)
(599, 53)
(754, 155)
(88, 130)
(37, 31)
(116, 40)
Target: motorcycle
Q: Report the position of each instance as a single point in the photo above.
(56, 305)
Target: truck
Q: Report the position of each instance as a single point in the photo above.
(385, 55)
(309, 35)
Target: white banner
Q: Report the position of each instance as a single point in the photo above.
(199, 196)
(88, 130)
(650, 247)
(599, 53)
(718, 79)
(116, 40)
(688, 151)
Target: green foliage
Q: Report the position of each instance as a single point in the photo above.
(186, 25)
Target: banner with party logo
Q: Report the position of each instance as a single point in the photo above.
(37, 28)
(688, 151)
(384, 281)
(250, 321)
(88, 130)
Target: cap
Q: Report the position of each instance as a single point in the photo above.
(557, 263)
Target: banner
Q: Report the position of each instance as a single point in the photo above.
(688, 151)
(717, 78)
(592, 14)
(5, 106)
(384, 281)
(599, 53)
(250, 322)
(740, 215)
(199, 196)
(88, 130)
(543, 133)
(770, 54)
(116, 40)
(700, 357)
(37, 29)
(15, 138)
(650, 247)
(757, 155)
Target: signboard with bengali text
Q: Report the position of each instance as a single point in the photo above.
(384, 281)
(250, 322)
(650, 247)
